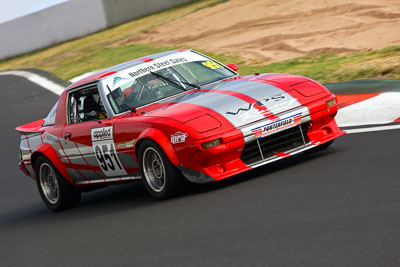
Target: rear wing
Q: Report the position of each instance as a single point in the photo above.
(30, 127)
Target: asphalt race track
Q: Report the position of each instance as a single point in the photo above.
(339, 207)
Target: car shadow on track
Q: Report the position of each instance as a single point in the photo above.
(267, 170)
(106, 201)
(130, 197)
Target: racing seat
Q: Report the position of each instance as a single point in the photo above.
(90, 109)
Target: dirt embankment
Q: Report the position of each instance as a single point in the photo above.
(278, 30)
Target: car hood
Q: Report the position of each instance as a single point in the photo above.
(239, 101)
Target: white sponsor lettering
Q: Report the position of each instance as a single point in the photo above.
(277, 126)
(128, 144)
(271, 127)
(154, 65)
(178, 137)
(252, 113)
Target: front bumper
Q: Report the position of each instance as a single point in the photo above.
(317, 127)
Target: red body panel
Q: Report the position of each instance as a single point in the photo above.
(179, 127)
(30, 127)
(48, 151)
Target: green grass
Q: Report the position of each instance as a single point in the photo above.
(384, 63)
(104, 48)
(112, 46)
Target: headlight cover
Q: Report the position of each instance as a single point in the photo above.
(204, 123)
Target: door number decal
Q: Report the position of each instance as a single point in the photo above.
(104, 150)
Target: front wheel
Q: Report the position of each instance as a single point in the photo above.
(161, 179)
(54, 190)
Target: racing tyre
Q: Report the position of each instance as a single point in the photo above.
(319, 148)
(161, 179)
(55, 191)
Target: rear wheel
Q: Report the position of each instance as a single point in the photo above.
(55, 191)
(320, 147)
(161, 179)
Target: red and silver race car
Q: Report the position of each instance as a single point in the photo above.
(172, 116)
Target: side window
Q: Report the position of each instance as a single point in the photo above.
(85, 105)
(51, 118)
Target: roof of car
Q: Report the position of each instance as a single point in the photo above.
(114, 69)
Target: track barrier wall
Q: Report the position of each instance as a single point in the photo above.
(72, 19)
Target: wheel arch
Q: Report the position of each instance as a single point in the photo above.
(48, 151)
(160, 139)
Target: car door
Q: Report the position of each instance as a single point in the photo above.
(88, 143)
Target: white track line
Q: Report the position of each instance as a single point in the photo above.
(381, 109)
(77, 78)
(373, 129)
(39, 80)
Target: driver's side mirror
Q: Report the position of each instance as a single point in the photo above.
(233, 66)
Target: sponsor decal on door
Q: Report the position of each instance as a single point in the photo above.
(104, 150)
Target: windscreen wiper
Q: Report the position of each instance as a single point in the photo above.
(175, 82)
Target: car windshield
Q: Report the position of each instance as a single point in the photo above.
(161, 79)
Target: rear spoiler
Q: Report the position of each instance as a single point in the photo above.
(30, 127)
